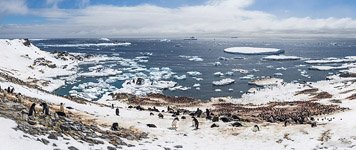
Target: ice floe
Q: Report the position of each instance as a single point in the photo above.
(101, 73)
(194, 73)
(242, 71)
(253, 51)
(192, 58)
(247, 77)
(141, 86)
(222, 82)
(280, 58)
(218, 74)
(347, 59)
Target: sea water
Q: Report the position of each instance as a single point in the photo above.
(203, 55)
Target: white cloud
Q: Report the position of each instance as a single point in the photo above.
(13, 7)
(215, 18)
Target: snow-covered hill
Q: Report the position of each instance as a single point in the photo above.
(23, 60)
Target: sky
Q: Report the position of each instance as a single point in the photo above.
(176, 18)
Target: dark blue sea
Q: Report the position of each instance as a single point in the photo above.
(167, 54)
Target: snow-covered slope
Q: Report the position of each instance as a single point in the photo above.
(17, 60)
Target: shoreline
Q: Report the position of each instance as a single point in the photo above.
(285, 115)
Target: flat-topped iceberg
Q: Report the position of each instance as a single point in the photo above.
(253, 51)
(280, 58)
(327, 68)
(221, 82)
(330, 60)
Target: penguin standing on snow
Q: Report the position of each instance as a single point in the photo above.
(174, 123)
(196, 123)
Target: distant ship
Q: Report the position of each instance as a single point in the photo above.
(191, 38)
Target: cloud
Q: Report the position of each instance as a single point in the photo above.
(13, 7)
(215, 18)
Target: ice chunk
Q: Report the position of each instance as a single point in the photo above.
(222, 82)
(194, 73)
(247, 77)
(218, 74)
(182, 77)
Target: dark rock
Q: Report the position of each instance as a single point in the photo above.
(27, 42)
(52, 136)
(111, 148)
(151, 125)
(31, 122)
(225, 119)
(183, 117)
(215, 119)
(178, 146)
(72, 148)
(235, 117)
(214, 125)
(236, 124)
(64, 127)
(54, 145)
(130, 145)
(44, 141)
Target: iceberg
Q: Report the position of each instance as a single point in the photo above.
(253, 51)
(222, 82)
(192, 58)
(104, 39)
(327, 68)
(347, 59)
(218, 74)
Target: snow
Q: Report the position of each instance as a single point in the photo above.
(16, 58)
(222, 82)
(253, 51)
(13, 140)
(281, 57)
(224, 137)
